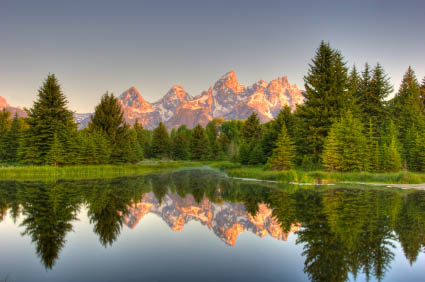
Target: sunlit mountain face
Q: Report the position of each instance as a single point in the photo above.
(226, 99)
(126, 228)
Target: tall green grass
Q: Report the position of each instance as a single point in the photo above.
(259, 172)
(89, 171)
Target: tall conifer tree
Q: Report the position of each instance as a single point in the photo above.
(199, 146)
(160, 142)
(284, 153)
(49, 117)
(327, 98)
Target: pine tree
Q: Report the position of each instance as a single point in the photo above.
(273, 129)
(108, 118)
(49, 117)
(327, 98)
(128, 148)
(373, 150)
(251, 131)
(407, 109)
(423, 95)
(160, 142)
(380, 87)
(419, 152)
(345, 147)
(199, 146)
(354, 81)
(331, 152)
(13, 138)
(55, 156)
(4, 129)
(142, 137)
(180, 144)
(391, 159)
(212, 130)
(284, 153)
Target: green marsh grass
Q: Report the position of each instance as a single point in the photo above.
(89, 171)
(300, 176)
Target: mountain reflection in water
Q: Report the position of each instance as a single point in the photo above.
(345, 232)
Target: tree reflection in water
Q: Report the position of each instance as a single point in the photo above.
(343, 230)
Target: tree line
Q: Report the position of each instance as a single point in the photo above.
(347, 123)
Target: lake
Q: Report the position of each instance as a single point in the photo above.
(199, 225)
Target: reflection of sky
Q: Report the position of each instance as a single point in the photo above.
(152, 251)
(100, 45)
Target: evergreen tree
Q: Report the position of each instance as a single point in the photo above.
(49, 117)
(251, 151)
(331, 151)
(391, 159)
(180, 144)
(142, 137)
(326, 97)
(283, 155)
(380, 88)
(373, 149)
(160, 142)
(273, 129)
(128, 148)
(4, 129)
(406, 109)
(199, 146)
(354, 81)
(251, 130)
(345, 147)
(13, 140)
(212, 130)
(56, 154)
(423, 95)
(108, 118)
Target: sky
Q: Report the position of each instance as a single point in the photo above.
(99, 45)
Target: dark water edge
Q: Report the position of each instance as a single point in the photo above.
(199, 225)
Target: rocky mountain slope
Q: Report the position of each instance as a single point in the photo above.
(5, 106)
(227, 99)
(226, 220)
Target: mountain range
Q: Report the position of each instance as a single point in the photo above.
(227, 99)
(226, 220)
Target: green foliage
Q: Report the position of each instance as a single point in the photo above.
(48, 118)
(283, 155)
(407, 109)
(199, 146)
(11, 140)
(345, 146)
(180, 144)
(160, 142)
(327, 98)
(56, 154)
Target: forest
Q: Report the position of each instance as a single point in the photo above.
(348, 122)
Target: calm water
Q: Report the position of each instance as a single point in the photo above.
(198, 225)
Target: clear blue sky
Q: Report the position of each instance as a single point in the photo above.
(94, 46)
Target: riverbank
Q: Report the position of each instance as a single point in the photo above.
(231, 169)
(300, 176)
(90, 171)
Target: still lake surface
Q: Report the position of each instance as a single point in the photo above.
(199, 225)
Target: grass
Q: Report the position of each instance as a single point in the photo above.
(89, 171)
(259, 172)
(232, 169)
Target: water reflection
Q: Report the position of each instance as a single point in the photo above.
(343, 231)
